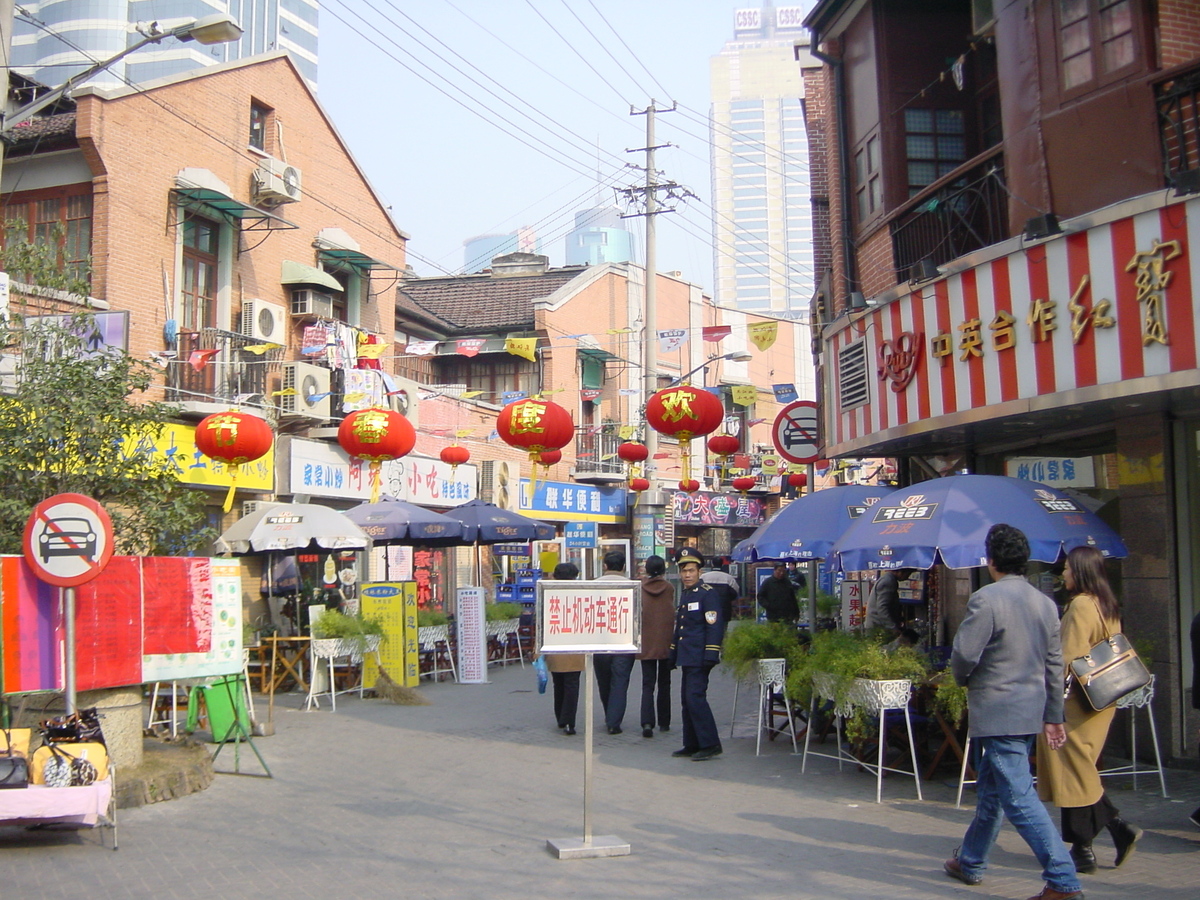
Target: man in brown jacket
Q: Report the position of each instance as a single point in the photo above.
(658, 623)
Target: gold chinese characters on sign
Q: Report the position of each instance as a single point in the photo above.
(1151, 280)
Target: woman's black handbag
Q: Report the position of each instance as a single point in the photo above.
(82, 727)
(14, 768)
(1109, 671)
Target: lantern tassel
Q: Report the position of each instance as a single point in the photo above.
(686, 459)
(232, 488)
(534, 459)
(376, 480)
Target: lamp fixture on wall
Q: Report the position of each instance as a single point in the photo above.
(1043, 226)
(924, 270)
(1186, 182)
(858, 302)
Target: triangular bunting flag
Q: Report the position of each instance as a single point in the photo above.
(421, 348)
(469, 346)
(715, 332)
(671, 339)
(199, 358)
(763, 334)
(524, 347)
(785, 393)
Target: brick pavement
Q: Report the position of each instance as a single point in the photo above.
(456, 800)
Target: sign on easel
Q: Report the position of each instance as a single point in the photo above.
(472, 636)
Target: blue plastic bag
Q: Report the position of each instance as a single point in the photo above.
(543, 674)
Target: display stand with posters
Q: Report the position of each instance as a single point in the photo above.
(589, 617)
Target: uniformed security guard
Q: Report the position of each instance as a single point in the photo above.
(696, 649)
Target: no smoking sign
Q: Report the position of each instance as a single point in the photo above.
(68, 539)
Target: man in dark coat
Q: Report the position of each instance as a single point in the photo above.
(696, 649)
(777, 596)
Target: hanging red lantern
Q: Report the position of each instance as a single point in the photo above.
(633, 451)
(535, 425)
(744, 483)
(822, 464)
(375, 436)
(234, 438)
(454, 456)
(547, 458)
(689, 485)
(684, 412)
(797, 479)
(637, 485)
(724, 444)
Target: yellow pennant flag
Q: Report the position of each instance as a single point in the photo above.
(464, 432)
(619, 330)
(371, 351)
(770, 464)
(522, 347)
(763, 334)
(467, 395)
(260, 349)
(354, 396)
(744, 394)
(626, 432)
(286, 392)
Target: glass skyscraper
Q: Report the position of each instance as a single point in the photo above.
(762, 217)
(76, 33)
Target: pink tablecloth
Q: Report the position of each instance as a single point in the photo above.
(38, 803)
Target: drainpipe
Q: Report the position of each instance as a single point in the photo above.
(839, 103)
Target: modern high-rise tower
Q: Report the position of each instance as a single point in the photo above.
(762, 217)
(599, 236)
(74, 34)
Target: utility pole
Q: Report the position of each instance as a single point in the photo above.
(648, 197)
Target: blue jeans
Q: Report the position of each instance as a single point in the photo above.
(612, 678)
(1005, 788)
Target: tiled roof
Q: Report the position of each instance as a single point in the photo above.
(45, 130)
(473, 304)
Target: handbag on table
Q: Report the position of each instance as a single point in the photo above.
(1109, 671)
(80, 727)
(14, 767)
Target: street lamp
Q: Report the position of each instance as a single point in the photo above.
(219, 28)
(734, 356)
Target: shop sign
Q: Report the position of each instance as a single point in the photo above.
(705, 508)
(589, 616)
(326, 470)
(176, 446)
(580, 535)
(565, 501)
(1056, 471)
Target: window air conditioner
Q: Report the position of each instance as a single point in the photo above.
(252, 506)
(276, 182)
(404, 399)
(307, 302)
(264, 321)
(305, 391)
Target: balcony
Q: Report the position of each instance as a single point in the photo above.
(232, 375)
(959, 213)
(1178, 103)
(596, 460)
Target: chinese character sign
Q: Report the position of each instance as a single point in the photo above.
(472, 637)
(589, 616)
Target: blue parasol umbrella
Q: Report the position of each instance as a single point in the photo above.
(947, 519)
(486, 523)
(807, 527)
(392, 521)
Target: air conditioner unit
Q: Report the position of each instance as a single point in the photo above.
(250, 507)
(307, 302)
(264, 321)
(305, 391)
(496, 484)
(406, 399)
(276, 182)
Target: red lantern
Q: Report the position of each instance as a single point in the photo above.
(455, 456)
(690, 485)
(548, 458)
(822, 464)
(744, 483)
(535, 425)
(724, 444)
(633, 452)
(376, 435)
(639, 484)
(798, 479)
(233, 438)
(684, 412)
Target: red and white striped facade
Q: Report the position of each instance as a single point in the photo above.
(1125, 283)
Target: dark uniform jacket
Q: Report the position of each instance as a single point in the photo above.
(699, 627)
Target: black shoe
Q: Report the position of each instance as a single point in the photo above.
(1084, 858)
(647, 731)
(685, 751)
(707, 753)
(614, 729)
(668, 728)
(1194, 818)
(1125, 836)
(568, 729)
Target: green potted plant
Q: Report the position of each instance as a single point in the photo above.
(749, 642)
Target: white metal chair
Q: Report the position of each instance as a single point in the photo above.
(167, 705)
(771, 674)
(1140, 699)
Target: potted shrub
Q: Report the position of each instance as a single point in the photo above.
(749, 642)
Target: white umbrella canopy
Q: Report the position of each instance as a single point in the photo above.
(292, 526)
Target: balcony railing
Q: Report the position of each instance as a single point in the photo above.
(596, 456)
(1178, 102)
(233, 374)
(961, 212)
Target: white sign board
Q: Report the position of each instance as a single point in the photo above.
(224, 655)
(590, 616)
(326, 470)
(472, 636)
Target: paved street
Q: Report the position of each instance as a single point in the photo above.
(457, 799)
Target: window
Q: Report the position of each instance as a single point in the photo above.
(59, 217)
(259, 115)
(198, 289)
(868, 185)
(935, 144)
(1097, 41)
(492, 374)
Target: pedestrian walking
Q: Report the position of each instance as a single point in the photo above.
(883, 603)
(696, 649)
(613, 669)
(658, 619)
(1008, 654)
(777, 596)
(1069, 778)
(565, 668)
(726, 586)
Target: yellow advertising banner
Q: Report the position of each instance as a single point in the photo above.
(388, 603)
(176, 445)
(744, 394)
(763, 334)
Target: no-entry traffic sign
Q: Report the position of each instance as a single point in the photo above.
(68, 539)
(795, 432)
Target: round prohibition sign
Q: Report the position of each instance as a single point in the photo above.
(68, 539)
(795, 432)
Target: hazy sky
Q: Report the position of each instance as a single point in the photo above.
(528, 98)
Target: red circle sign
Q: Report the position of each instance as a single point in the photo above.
(68, 539)
(795, 432)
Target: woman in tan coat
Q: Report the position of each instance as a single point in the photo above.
(1068, 777)
(565, 668)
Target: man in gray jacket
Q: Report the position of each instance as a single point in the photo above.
(1008, 654)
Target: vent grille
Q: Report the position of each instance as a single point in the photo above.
(853, 386)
